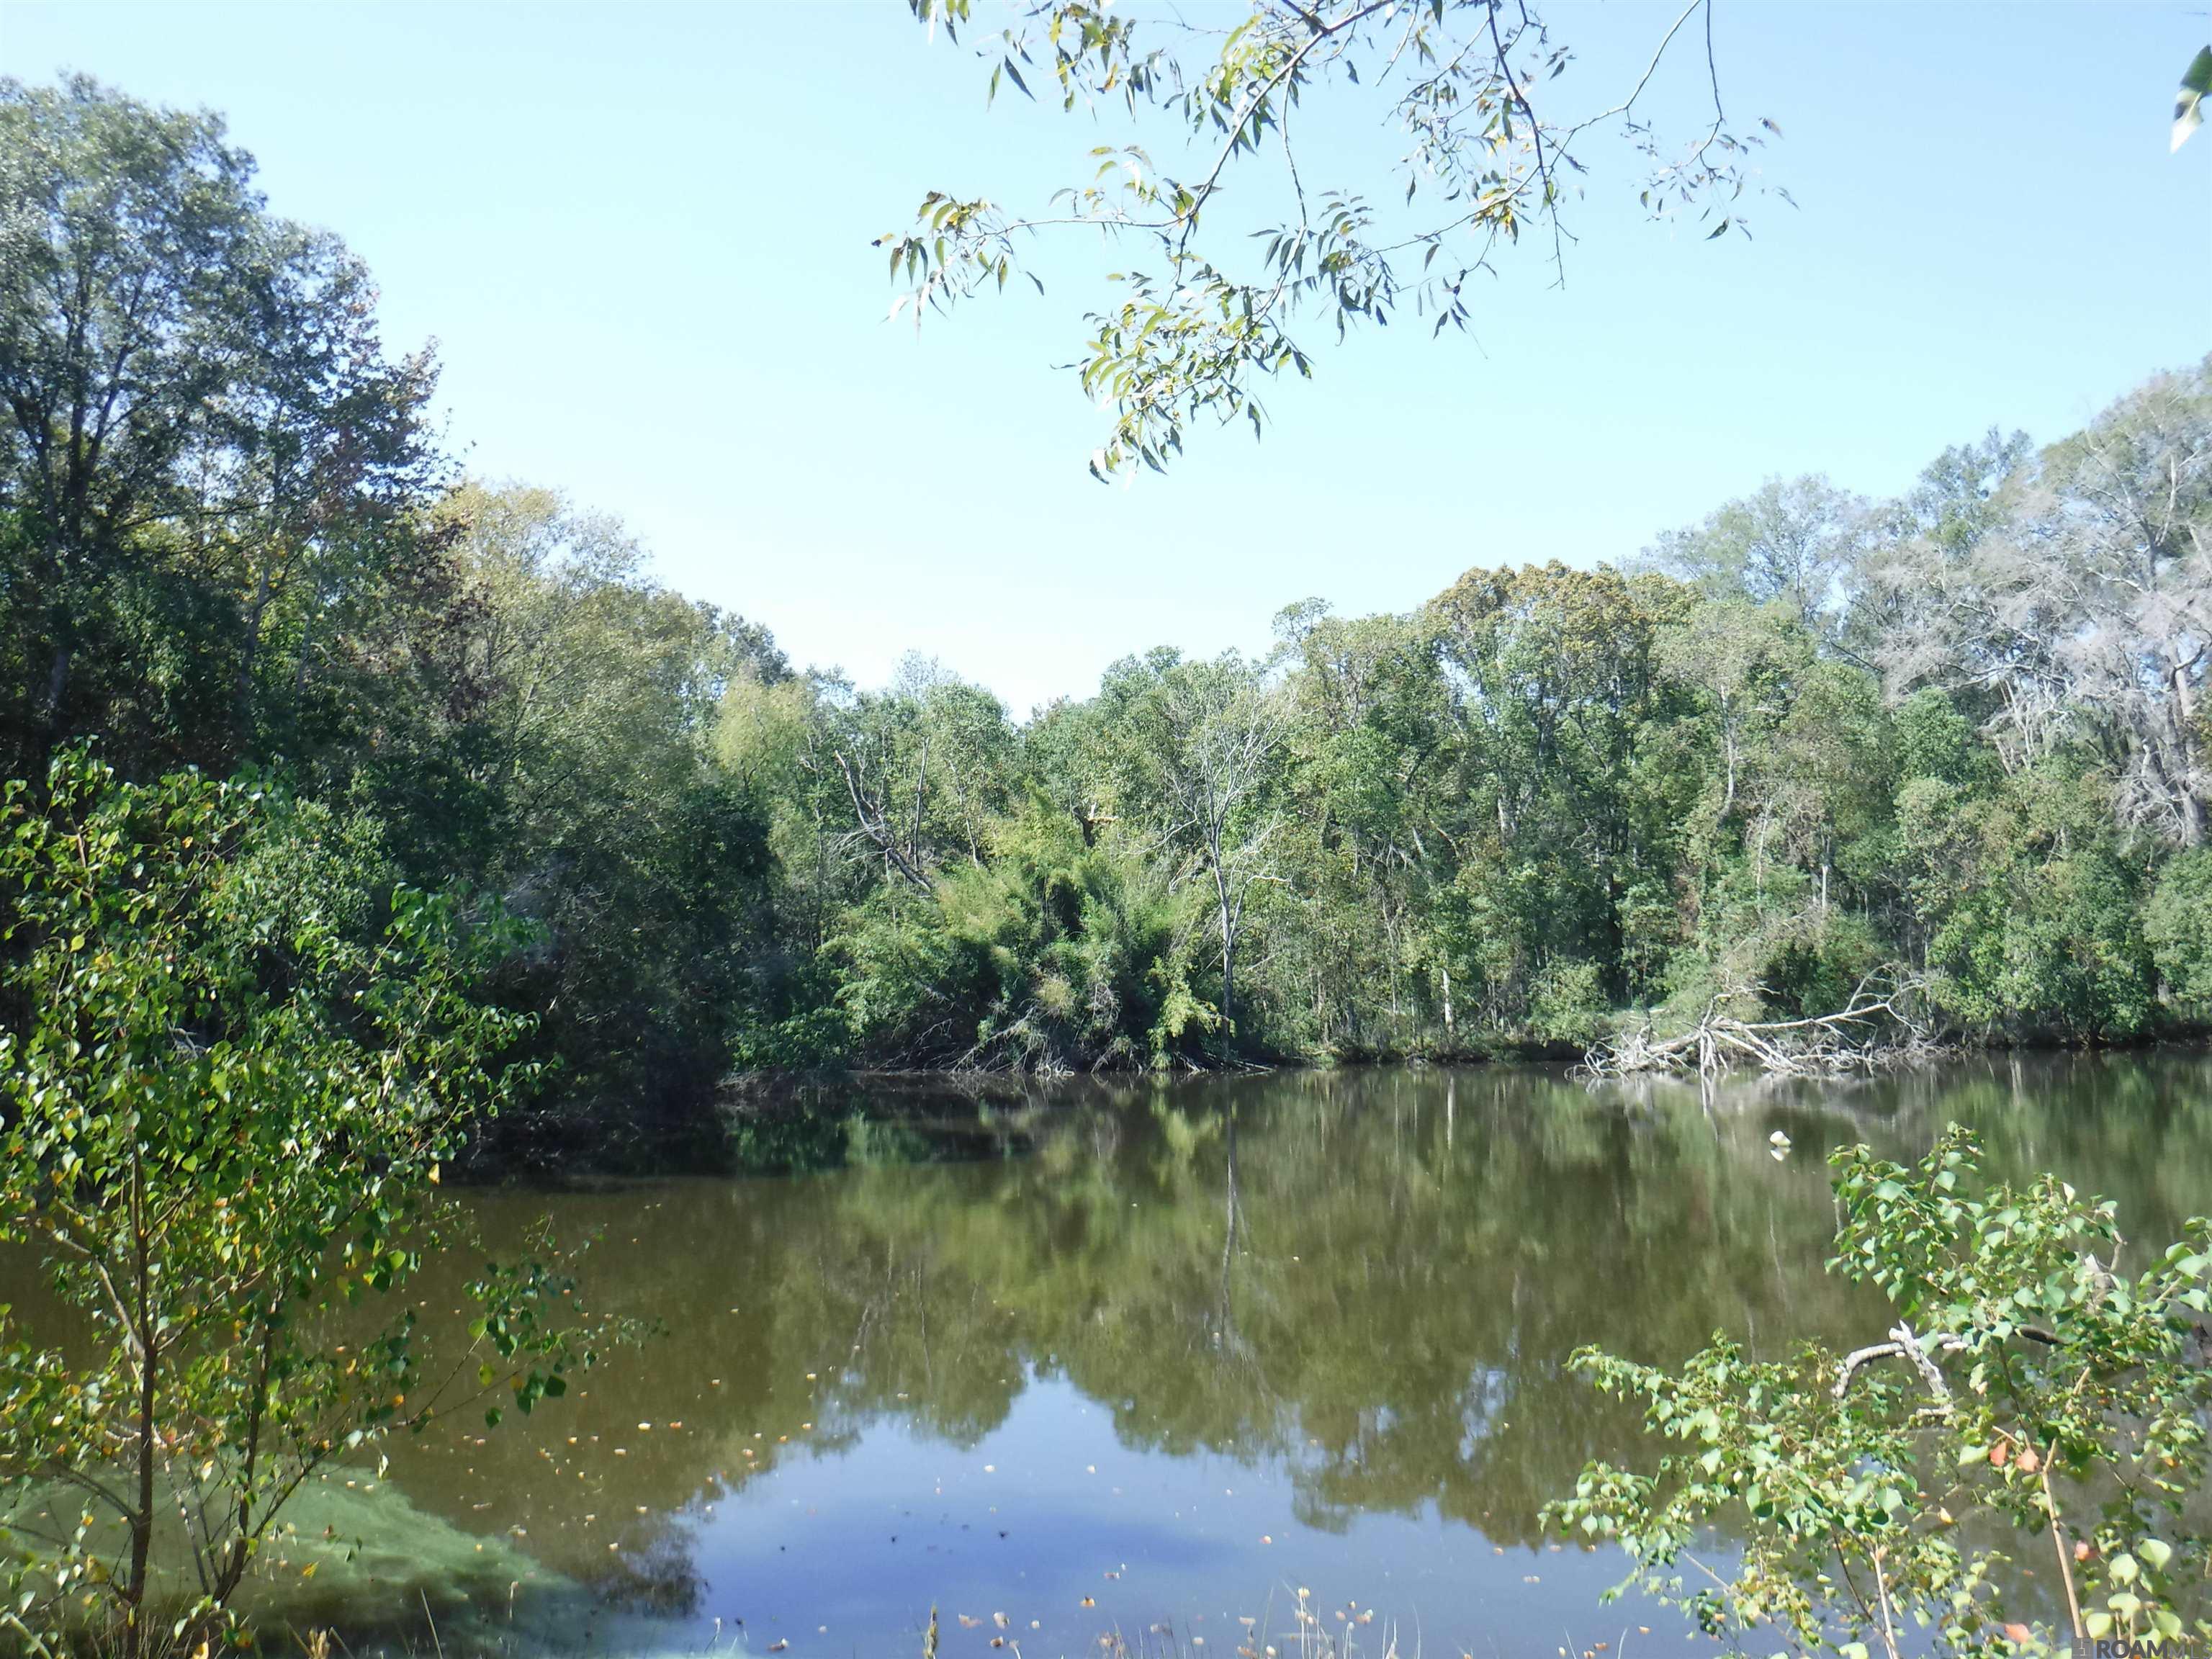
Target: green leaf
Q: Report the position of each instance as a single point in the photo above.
(2188, 104)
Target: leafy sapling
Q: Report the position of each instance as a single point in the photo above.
(2033, 1404)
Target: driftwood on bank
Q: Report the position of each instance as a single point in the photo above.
(1878, 1026)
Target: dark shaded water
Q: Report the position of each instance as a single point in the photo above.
(1108, 1359)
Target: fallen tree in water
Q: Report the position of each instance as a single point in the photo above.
(1881, 1024)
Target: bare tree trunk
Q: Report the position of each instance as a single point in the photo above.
(2185, 720)
(1228, 914)
(1228, 970)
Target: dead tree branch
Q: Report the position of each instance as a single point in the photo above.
(1876, 1026)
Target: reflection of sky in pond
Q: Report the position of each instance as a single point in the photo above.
(1052, 1507)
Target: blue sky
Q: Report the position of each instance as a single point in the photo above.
(640, 236)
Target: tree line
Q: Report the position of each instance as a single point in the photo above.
(1959, 738)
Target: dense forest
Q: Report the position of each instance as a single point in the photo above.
(1812, 743)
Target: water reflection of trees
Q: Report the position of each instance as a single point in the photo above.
(1374, 1279)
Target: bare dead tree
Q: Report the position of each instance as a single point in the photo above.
(899, 843)
(1880, 1023)
(1229, 726)
(2081, 601)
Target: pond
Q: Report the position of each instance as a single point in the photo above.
(1149, 1360)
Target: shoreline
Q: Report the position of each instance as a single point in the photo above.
(1934, 1054)
(767, 1122)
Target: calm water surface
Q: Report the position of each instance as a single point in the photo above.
(1159, 1355)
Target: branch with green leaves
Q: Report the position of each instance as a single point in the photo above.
(2028, 1387)
(1491, 151)
(244, 1062)
(2188, 102)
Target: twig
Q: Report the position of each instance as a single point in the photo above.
(2058, 1544)
(1916, 1348)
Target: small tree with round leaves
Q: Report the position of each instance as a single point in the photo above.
(230, 1073)
(2034, 1398)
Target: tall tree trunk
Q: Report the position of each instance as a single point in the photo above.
(1228, 953)
(2184, 721)
(1228, 980)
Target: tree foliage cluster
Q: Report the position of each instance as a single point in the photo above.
(1960, 737)
(1872, 1481)
(229, 535)
(1956, 741)
(237, 1057)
